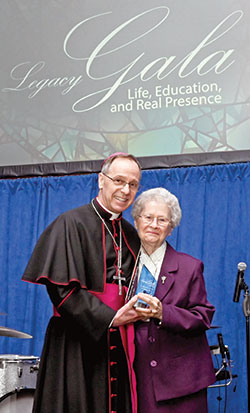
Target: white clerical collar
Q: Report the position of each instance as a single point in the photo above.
(113, 214)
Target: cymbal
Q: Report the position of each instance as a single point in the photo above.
(10, 332)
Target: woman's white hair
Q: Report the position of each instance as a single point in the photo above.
(160, 195)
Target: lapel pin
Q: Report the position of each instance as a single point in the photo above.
(163, 279)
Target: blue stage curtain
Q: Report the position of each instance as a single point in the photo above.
(215, 202)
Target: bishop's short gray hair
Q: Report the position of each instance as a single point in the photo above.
(160, 195)
(110, 159)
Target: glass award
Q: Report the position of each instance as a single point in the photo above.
(146, 284)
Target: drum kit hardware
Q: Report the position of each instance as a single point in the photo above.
(18, 375)
(223, 373)
(10, 332)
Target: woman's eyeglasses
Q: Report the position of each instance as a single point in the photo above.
(161, 221)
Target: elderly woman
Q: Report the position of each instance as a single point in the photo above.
(173, 361)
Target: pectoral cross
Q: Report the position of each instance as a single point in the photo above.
(120, 279)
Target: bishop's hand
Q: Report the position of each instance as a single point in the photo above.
(127, 314)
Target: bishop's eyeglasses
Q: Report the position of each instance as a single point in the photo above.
(161, 221)
(134, 185)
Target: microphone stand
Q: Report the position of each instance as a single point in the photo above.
(246, 310)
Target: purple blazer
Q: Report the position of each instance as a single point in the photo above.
(174, 359)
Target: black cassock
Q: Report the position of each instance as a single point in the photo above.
(75, 256)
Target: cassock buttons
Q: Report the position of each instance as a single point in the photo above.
(153, 363)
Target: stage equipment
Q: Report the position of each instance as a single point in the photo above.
(224, 372)
(10, 332)
(18, 375)
(19, 402)
(239, 281)
(241, 285)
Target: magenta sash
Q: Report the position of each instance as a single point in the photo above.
(115, 301)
